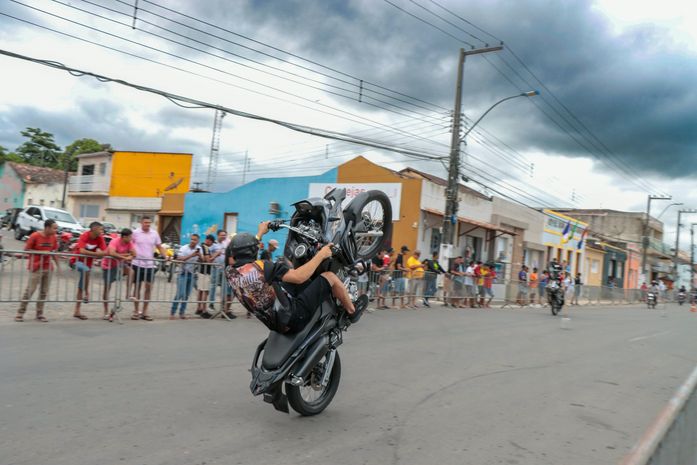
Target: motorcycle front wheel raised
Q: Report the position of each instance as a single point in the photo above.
(312, 398)
(371, 215)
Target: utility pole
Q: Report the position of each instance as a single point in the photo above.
(452, 191)
(677, 240)
(692, 255)
(645, 237)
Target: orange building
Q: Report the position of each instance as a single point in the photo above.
(406, 222)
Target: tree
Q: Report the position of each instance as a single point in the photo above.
(78, 147)
(40, 149)
(8, 156)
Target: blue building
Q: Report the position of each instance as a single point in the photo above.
(243, 208)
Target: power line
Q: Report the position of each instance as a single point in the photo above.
(306, 60)
(609, 157)
(198, 103)
(358, 119)
(295, 81)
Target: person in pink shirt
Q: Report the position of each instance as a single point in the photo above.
(146, 240)
(117, 263)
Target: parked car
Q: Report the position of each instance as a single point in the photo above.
(109, 228)
(32, 219)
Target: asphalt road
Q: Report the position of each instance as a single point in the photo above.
(418, 387)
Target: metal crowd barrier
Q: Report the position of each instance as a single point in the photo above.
(444, 287)
(391, 288)
(63, 282)
(672, 437)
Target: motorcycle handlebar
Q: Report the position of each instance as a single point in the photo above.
(275, 225)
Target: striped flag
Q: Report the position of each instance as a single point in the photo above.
(583, 239)
(565, 233)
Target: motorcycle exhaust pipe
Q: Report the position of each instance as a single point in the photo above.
(314, 355)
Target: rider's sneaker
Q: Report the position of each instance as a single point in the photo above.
(360, 305)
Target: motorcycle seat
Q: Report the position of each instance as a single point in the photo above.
(279, 346)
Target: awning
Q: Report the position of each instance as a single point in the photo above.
(475, 223)
(534, 246)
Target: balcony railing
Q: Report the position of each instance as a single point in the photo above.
(88, 184)
(658, 247)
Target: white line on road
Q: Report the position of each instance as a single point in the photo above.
(640, 338)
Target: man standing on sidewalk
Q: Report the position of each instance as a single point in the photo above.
(189, 255)
(267, 254)
(40, 268)
(92, 244)
(146, 241)
(218, 270)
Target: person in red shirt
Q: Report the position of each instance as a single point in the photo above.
(91, 244)
(116, 264)
(40, 268)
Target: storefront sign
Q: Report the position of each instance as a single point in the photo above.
(392, 190)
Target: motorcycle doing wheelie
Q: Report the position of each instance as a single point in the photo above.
(555, 290)
(306, 365)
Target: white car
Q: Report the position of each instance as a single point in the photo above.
(32, 219)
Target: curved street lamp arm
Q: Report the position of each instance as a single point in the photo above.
(524, 94)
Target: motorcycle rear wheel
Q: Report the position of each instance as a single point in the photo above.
(555, 309)
(374, 226)
(299, 397)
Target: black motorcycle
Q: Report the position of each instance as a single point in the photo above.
(307, 364)
(651, 299)
(682, 296)
(555, 296)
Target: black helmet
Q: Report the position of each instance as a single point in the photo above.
(244, 248)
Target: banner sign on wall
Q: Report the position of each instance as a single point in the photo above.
(392, 190)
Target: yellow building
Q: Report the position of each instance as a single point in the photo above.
(121, 187)
(562, 236)
(593, 269)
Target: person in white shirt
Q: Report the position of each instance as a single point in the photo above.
(470, 290)
(218, 272)
(189, 256)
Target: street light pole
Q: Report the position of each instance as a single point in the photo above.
(451, 193)
(645, 237)
(692, 255)
(677, 240)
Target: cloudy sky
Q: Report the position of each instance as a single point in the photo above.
(615, 119)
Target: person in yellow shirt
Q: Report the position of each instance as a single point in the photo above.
(415, 273)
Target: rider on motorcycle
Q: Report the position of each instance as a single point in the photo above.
(284, 299)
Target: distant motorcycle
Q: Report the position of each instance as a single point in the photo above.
(651, 299)
(555, 296)
(681, 298)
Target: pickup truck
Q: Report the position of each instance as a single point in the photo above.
(32, 219)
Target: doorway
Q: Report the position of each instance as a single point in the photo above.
(230, 222)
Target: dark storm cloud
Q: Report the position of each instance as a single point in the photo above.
(636, 91)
